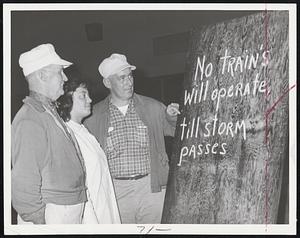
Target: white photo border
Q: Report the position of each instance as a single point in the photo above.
(264, 229)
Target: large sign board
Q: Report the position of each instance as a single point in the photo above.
(232, 135)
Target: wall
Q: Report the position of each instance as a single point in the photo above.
(127, 32)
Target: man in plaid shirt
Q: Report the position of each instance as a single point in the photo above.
(131, 129)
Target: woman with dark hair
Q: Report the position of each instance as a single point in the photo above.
(74, 106)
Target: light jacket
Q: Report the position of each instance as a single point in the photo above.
(159, 123)
(45, 166)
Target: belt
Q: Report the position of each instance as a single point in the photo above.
(134, 177)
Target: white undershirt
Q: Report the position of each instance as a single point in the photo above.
(123, 109)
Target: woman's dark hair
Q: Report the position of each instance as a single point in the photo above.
(65, 102)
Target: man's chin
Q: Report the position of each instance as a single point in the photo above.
(59, 95)
(130, 94)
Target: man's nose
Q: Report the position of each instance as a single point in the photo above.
(89, 100)
(129, 80)
(65, 78)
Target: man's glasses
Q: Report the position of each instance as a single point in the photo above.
(124, 77)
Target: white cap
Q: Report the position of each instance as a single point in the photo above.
(114, 64)
(39, 57)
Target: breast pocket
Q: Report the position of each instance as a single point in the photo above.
(141, 136)
(111, 148)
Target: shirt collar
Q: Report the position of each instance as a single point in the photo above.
(114, 107)
(43, 99)
(75, 124)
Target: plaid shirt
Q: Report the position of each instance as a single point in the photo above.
(127, 144)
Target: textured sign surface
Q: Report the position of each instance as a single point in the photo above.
(232, 135)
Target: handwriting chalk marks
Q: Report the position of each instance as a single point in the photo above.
(236, 70)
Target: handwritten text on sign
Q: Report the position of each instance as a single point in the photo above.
(199, 93)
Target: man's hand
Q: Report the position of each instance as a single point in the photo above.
(173, 109)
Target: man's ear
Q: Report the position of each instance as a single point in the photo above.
(106, 83)
(42, 75)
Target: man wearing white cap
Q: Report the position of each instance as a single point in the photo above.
(48, 175)
(131, 129)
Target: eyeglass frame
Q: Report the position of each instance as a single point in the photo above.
(123, 77)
